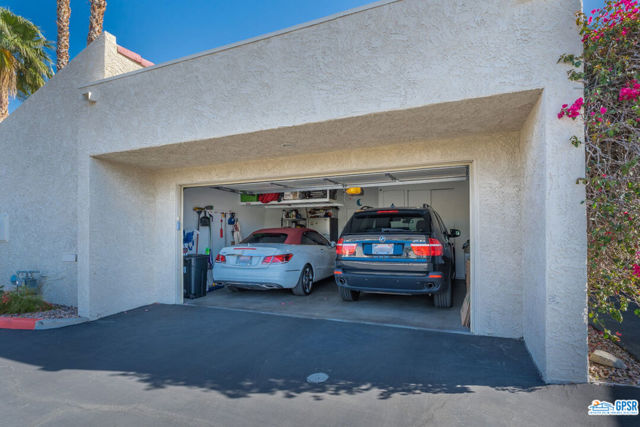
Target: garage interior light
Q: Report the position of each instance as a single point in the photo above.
(354, 191)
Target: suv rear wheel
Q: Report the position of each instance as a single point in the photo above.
(348, 294)
(443, 299)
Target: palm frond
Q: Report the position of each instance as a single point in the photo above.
(25, 63)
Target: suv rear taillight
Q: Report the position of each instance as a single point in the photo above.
(345, 249)
(433, 248)
(221, 258)
(277, 259)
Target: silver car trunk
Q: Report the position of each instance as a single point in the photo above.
(252, 255)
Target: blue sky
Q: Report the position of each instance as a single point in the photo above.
(160, 30)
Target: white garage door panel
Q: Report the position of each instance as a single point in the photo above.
(390, 198)
(417, 198)
(453, 207)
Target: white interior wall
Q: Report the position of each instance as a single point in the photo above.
(251, 217)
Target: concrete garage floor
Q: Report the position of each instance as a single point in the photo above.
(324, 302)
(183, 365)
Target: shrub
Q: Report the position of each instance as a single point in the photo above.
(611, 112)
(21, 301)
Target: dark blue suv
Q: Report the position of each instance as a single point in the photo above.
(396, 250)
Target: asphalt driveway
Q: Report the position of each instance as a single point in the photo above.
(168, 365)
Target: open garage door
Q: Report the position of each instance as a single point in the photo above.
(247, 225)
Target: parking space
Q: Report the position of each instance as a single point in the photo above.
(325, 303)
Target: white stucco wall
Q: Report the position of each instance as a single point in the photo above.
(400, 55)
(421, 66)
(38, 173)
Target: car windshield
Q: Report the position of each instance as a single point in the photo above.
(388, 222)
(266, 238)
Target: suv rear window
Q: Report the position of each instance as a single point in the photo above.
(266, 238)
(388, 222)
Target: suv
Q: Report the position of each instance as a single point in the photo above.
(396, 250)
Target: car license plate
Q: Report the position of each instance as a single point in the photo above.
(382, 249)
(244, 260)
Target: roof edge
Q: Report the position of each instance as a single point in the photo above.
(134, 56)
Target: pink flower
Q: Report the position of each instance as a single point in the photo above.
(603, 110)
(636, 270)
(561, 114)
(630, 92)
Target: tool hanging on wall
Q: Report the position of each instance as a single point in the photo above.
(237, 237)
(232, 222)
(232, 218)
(208, 211)
(198, 211)
(221, 224)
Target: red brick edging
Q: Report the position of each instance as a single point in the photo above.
(17, 323)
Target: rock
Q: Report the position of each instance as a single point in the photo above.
(607, 359)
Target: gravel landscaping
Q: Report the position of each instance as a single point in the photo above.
(57, 312)
(601, 373)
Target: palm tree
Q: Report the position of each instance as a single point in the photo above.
(96, 20)
(62, 47)
(24, 60)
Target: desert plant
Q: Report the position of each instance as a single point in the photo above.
(22, 300)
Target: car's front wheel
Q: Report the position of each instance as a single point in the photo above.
(305, 282)
(348, 294)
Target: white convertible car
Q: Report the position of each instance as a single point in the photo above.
(276, 258)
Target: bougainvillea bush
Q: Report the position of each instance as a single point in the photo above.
(610, 70)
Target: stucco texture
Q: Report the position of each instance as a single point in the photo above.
(38, 173)
(401, 84)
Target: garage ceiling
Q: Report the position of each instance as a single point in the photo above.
(378, 179)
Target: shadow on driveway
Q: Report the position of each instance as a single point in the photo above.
(241, 353)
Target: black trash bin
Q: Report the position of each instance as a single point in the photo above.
(195, 275)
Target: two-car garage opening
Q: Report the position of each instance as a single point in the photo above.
(271, 246)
